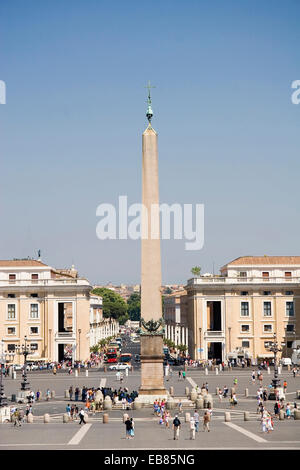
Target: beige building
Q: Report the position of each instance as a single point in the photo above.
(176, 317)
(235, 314)
(49, 306)
(100, 327)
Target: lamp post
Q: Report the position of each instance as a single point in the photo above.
(24, 350)
(79, 332)
(275, 348)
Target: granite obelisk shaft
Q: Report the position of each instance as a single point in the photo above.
(152, 382)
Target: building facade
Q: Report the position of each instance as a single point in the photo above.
(100, 327)
(235, 315)
(51, 307)
(176, 317)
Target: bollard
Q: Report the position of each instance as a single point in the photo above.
(30, 418)
(246, 392)
(246, 416)
(105, 418)
(172, 391)
(105, 369)
(53, 394)
(217, 391)
(137, 405)
(187, 417)
(199, 403)
(217, 371)
(14, 375)
(194, 394)
(281, 415)
(296, 414)
(170, 403)
(86, 373)
(86, 417)
(289, 367)
(298, 394)
(220, 367)
(269, 370)
(227, 416)
(187, 391)
(206, 371)
(279, 370)
(76, 372)
(67, 394)
(46, 418)
(66, 418)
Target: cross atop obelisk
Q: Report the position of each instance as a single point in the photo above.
(149, 113)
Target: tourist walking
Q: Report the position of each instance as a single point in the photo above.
(196, 419)
(206, 420)
(81, 416)
(71, 392)
(192, 428)
(176, 427)
(128, 426)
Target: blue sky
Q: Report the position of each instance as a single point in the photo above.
(71, 129)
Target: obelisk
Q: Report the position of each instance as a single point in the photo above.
(152, 377)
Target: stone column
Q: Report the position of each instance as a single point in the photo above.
(152, 382)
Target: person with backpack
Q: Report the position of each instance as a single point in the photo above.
(81, 416)
(176, 427)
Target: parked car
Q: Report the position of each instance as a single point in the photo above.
(286, 361)
(18, 367)
(120, 366)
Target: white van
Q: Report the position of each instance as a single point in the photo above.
(286, 361)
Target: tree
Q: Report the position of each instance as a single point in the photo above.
(196, 270)
(134, 307)
(182, 348)
(113, 304)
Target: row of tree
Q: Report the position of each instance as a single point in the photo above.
(182, 348)
(115, 306)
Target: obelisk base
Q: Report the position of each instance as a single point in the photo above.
(152, 374)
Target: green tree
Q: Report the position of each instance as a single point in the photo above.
(196, 270)
(113, 304)
(134, 307)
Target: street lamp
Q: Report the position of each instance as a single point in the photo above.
(24, 350)
(275, 348)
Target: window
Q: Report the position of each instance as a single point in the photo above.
(33, 295)
(290, 328)
(244, 292)
(245, 328)
(11, 330)
(289, 292)
(265, 275)
(11, 311)
(11, 347)
(267, 309)
(289, 344)
(243, 274)
(34, 278)
(245, 309)
(267, 344)
(34, 330)
(267, 292)
(12, 278)
(11, 296)
(289, 309)
(268, 328)
(288, 274)
(34, 311)
(245, 344)
(34, 346)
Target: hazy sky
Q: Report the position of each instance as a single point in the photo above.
(71, 129)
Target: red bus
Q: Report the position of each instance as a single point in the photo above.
(112, 355)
